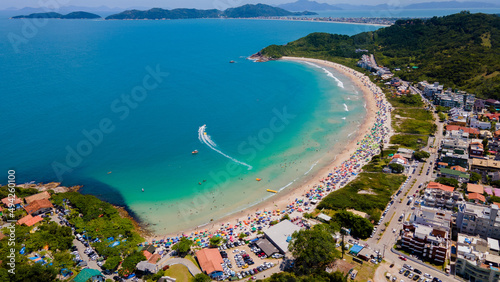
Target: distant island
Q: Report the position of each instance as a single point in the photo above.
(245, 11)
(301, 5)
(53, 15)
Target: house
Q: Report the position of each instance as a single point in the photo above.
(398, 159)
(148, 251)
(40, 196)
(479, 124)
(17, 202)
(405, 153)
(455, 174)
(29, 220)
(39, 207)
(479, 105)
(146, 267)
(435, 185)
(476, 198)
(89, 274)
(324, 217)
(476, 150)
(459, 168)
(471, 131)
(210, 261)
(492, 103)
(441, 164)
(280, 234)
(475, 188)
(154, 258)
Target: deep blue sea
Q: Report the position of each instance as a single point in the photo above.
(117, 106)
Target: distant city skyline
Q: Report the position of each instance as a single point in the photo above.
(200, 4)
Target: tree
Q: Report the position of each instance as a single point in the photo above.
(201, 277)
(447, 181)
(183, 246)
(313, 250)
(475, 177)
(128, 265)
(420, 155)
(485, 146)
(112, 262)
(360, 226)
(215, 241)
(397, 168)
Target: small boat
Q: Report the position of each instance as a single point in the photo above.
(142, 189)
(272, 191)
(231, 62)
(109, 172)
(258, 179)
(194, 152)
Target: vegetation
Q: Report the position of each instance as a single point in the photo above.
(459, 50)
(447, 181)
(313, 250)
(322, 276)
(53, 15)
(360, 227)
(128, 265)
(414, 142)
(380, 186)
(215, 241)
(179, 272)
(201, 277)
(397, 168)
(475, 177)
(245, 11)
(421, 155)
(183, 246)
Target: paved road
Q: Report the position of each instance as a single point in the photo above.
(193, 269)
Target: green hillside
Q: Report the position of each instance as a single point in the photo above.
(460, 50)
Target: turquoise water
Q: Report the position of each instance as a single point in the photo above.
(68, 113)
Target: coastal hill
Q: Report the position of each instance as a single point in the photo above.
(303, 5)
(461, 50)
(53, 15)
(245, 11)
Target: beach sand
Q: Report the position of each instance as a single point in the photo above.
(287, 196)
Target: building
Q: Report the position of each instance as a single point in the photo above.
(473, 219)
(17, 202)
(455, 174)
(475, 188)
(441, 196)
(210, 261)
(476, 150)
(324, 217)
(479, 105)
(88, 274)
(405, 153)
(281, 234)
(425, 241)
(29, 220)
(471, 131)
(476, 198)
(146, 267)
(479, 124)
(484, 166)
(39, 207)
(40, 196)
(477, 259)
(492, 103)
(398, 159)
(431, 217)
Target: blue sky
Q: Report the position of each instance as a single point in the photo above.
(202, 4)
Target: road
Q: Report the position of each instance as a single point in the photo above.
(388, 239)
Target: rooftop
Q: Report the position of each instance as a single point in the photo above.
(210, 260)
(475, 188)
(280, 232)
(435, 185)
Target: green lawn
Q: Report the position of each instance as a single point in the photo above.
(179, 272)
(410, 141)
(380, 185)
(418, 114)
(191, 258)
(413, 126)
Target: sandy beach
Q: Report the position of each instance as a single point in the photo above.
(347, 165)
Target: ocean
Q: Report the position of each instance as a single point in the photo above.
(119, 107)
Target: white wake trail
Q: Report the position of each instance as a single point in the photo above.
(205, 138)
(345, 108)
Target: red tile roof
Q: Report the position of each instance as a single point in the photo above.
(476, 196)
(463, 128)
(29, 220)
(38, 205)
(154, 258)
(475, 188)
(435, 185)
(210, 260)
(39, 196)
(6, 201)
(147, 254)
(459, 168)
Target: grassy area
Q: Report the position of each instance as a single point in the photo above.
(191, 258)
(413, 126)
(380, 186)
(413, 101)
(410, 141)
(179, 272)
(418, 114)
(377, 163)
(366, 271)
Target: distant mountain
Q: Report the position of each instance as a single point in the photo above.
(245, 11)
(53, 15)
(260, 10)
(306, 5)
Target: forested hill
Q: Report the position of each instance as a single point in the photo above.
(245, 11)
(53, 15)
(460, 50)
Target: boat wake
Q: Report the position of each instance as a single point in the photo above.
(329, 74)
(345, 107)
(205, 138)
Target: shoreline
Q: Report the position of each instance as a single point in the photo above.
(375, 100)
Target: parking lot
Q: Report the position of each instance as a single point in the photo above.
(409, 273)
(244, 261)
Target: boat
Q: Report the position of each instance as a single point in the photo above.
(272, 191)
(258, 179)
(231, 62)
(142, 189)
(109, 172)
(194, 152)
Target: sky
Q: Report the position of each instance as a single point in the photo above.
(201, 4)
